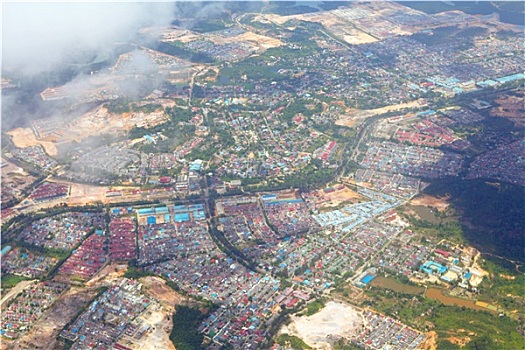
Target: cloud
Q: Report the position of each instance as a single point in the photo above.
(42, 36)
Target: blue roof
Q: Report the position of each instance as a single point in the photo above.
(367, 279)
(182, 217)
(145, 211)
(5, 249)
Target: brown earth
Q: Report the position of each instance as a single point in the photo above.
(96, 122)
(260, 41)
(337, 25)
(156, 287)
(158, 337)
(24, 137)
(108, 275)
(459, 341)
(430, 342)
(43, 334)
(358, 116)
(439, 203)
(334, 319)
(333, 199)
(510, 107)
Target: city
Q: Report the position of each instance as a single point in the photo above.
(285, 176)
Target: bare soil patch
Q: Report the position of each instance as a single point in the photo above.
(24, 137)
(430, 342)
(108, 275)
(158, 337)
(15, 291)
(439, 203)
(459, 341)
(156, 287)
(358, 116)
(334, 319)
(43, 335)
(96, 122)
(511, 107)
(333, 199)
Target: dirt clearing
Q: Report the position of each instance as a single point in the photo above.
(511, 107)
(157, 316)
(339, 195)
(25, 137)
(96, 122)
(430, 342)
(357, 116)
(334, 319)
(43, 335)
(108, 275)
(335, 24)
(158, 336)
(156, 288)
(439, 203)
(15, 291)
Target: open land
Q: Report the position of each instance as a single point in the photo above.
(437, 294)
(109, 274)
(217, 157)
(356, 117)
(25, 137)
(156, 287)
(510, 107)
(158, 338)
(338, 26)
(334, 319)
(440, 204)
(94, 123)
(15, 291)
(43, 334)
(339, 196)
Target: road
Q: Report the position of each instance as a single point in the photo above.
(19, 288)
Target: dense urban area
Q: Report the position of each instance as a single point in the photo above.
(326, 175)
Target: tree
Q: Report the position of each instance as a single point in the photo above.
(483, 342)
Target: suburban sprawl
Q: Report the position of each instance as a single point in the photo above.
(319, 176)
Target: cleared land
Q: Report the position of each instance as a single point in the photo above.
(338, 26)
(160, 327)
(260, 42)
(357, 116)
(25, 137)
(96, 122)
(333, 199)
(15, 291)
(439, 203)
(511, 107)
(156, 287)
(108, 275)
(158, 316)
(431, 341)
(43, 335)
(334, 319)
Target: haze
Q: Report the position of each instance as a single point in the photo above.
(38, 37)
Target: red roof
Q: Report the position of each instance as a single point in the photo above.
(442, 252)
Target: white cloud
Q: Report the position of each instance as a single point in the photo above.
(40, 36)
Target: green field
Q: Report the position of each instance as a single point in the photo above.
(9, 281)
